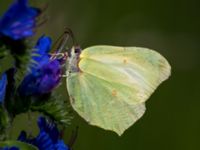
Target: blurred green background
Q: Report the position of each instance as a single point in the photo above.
(172, 27)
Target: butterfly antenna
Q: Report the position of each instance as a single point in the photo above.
(61, 42)
(66, 35)
(69, 31)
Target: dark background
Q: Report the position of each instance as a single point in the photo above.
(172, 27)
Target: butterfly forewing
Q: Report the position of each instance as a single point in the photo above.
(113, 83)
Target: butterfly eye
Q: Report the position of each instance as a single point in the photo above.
(77, 50)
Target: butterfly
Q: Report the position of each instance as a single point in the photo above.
(109, 85)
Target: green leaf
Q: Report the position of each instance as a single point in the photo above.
(3, 51)
(20, 145)
(17, 105)
(56, 108)
(6, 62)
(22, 70)
(4, 123)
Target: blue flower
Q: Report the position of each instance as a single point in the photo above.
(44, 72)
(9, 148)
(48, 137)
(40, 55)
(19, 21)
(3, 83)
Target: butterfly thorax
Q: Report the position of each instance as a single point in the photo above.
(74, 60)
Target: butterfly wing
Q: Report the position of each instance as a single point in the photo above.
(113, 83)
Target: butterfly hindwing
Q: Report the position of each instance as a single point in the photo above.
(113, 83)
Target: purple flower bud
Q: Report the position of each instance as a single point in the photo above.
(45, 73)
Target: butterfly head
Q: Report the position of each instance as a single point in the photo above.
(74, 59)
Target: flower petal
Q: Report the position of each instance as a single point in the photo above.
(3, 83)
(19, 21)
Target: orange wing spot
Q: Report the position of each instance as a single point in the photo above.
(114, 93)
(125, 61)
